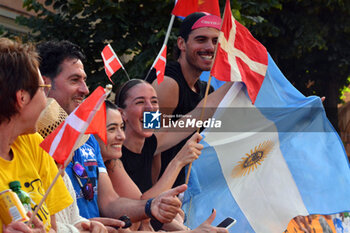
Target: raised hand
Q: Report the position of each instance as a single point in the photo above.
(206, 226)
(190, 151)
(166, 205)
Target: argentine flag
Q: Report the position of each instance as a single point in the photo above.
(270, 161)
(276, 155)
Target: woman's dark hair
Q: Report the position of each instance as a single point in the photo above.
(123, 91)
(110, 105)
(19, 66)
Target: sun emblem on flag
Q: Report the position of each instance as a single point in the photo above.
(252, 160)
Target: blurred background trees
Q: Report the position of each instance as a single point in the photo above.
(308, 39)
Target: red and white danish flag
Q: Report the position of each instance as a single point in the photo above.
(159, 64)
(60, 143)
(111, 61)
(239, 56)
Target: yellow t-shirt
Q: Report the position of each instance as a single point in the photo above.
(35, 169)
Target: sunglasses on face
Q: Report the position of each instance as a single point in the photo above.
(87, 188)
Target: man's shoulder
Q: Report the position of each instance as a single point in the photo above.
(167, 91)
(91, 146)
(172, 69)
(172, 65)
(92, 141)
(174, 77)
(170, 83)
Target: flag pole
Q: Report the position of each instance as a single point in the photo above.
(60, 170)
(169, 29)
(167, 35)
(121, 65)
(198, 129)
(126, 73)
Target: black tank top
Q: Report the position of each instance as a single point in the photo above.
(188, 100)
(139, 166)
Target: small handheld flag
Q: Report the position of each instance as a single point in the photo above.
(159, 64)
(239, 56)
(60, 143)
(111, 61)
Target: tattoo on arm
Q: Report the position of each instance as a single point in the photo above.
(112, 163)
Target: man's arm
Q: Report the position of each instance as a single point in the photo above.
(168, 94)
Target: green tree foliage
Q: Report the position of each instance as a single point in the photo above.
(134, 28)
(308, 39)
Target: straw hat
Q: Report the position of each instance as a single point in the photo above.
(51, 117)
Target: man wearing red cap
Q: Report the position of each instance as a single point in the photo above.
(181, 89)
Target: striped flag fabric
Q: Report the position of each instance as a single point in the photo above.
(239, 56)
(270, 161)
(159, 64)
(111, 61)
(60, 143)
(185, 7)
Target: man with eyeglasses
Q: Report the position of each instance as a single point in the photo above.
(61, 67)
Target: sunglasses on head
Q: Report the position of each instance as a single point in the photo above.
(87, 188)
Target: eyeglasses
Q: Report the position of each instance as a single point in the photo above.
(47, 88)
(87, 188)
